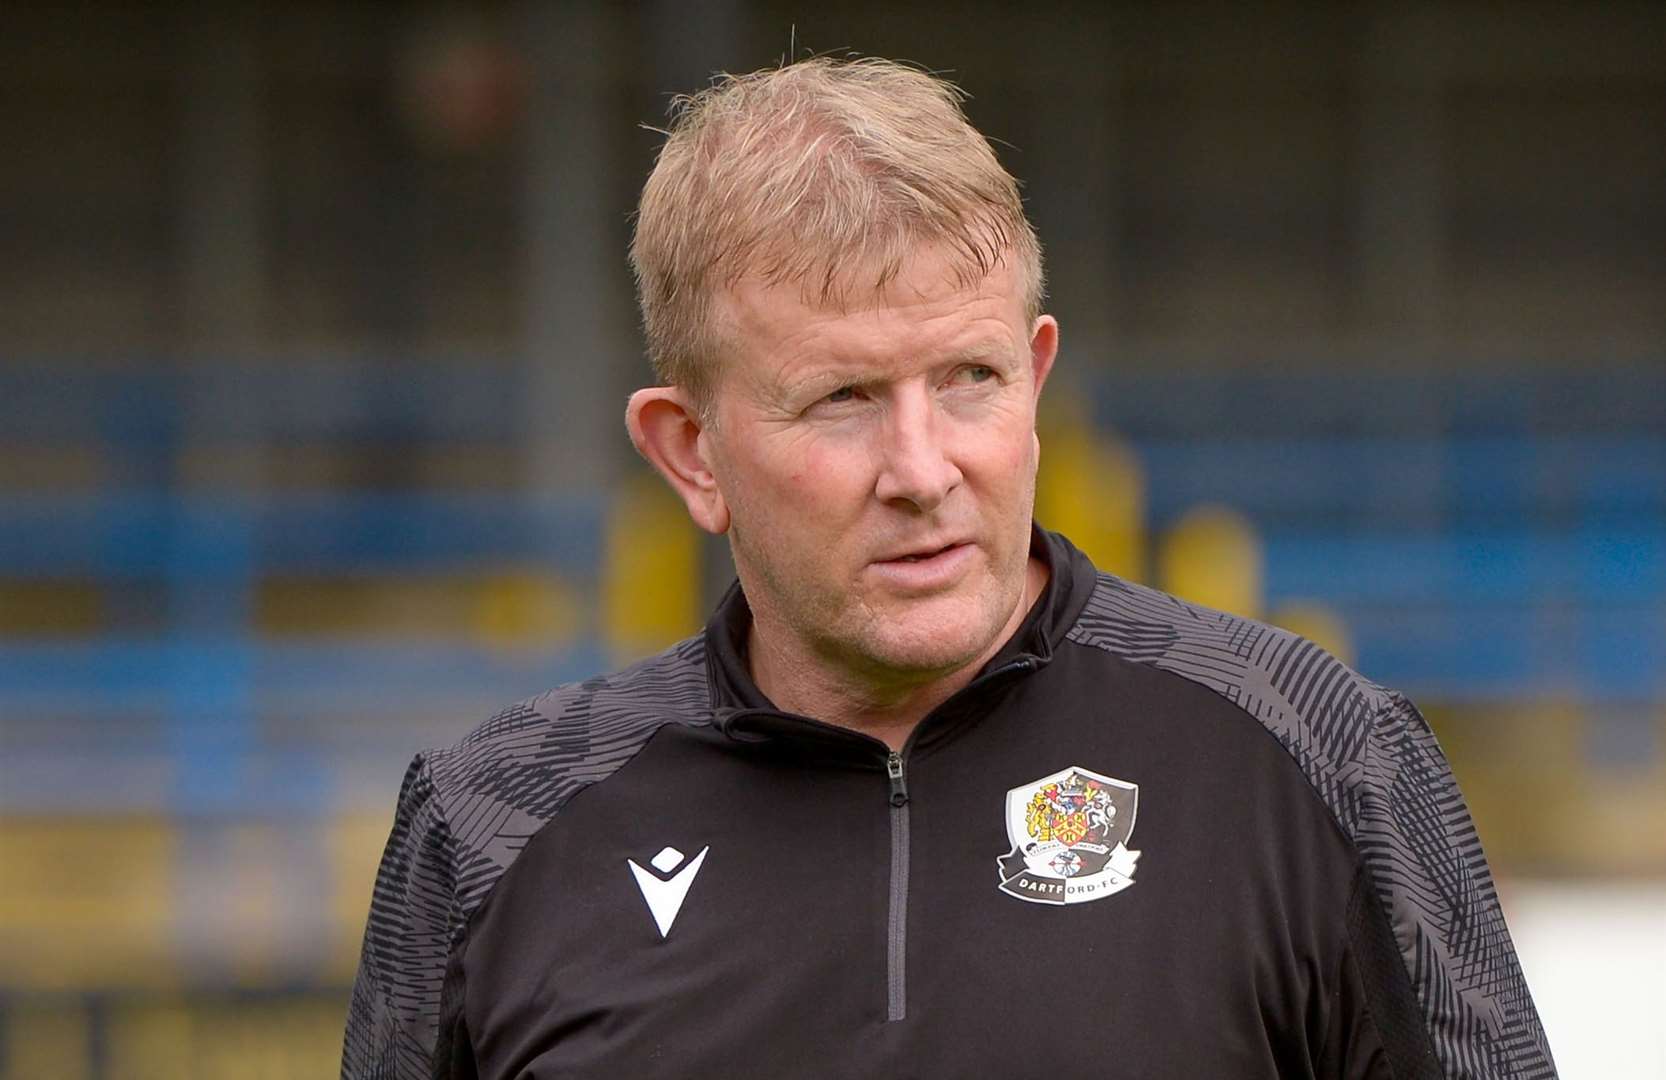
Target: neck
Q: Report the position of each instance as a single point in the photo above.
(886, 706)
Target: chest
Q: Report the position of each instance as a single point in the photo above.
(1012, 914)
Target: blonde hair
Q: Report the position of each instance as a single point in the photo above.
(825, 173)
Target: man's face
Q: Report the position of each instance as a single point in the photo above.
(878, 466)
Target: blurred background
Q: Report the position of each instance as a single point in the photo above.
(316, 329)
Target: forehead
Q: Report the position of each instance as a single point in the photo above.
(923, 307)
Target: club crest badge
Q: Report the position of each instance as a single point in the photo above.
(1069, 834)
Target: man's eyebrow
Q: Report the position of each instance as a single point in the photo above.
(816, 384)
(833, 372)
(988, 349)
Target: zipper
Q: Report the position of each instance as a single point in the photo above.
(896, 926)
(899, 784)
(896, 921)
(896, 937)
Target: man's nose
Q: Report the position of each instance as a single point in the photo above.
(915, 465)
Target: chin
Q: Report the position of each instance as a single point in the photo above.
(925, 641)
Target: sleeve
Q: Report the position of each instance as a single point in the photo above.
(393, 1015)
(1438, 978)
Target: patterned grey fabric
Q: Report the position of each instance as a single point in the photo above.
(1375, 763)
(463, 816)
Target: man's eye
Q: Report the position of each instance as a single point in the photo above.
(977, 373)
(842, 394)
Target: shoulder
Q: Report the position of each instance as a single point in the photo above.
(513, 772)
(1278, 676)
(465, 813)
(1350, 736)
(1372, 759)
(580, 717)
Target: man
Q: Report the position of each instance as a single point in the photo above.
(930, 796)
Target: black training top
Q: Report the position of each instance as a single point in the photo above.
(1148, 840)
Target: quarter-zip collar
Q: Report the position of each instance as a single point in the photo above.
(744, 712)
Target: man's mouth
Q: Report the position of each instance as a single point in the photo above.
(927, 554)
(922, 554)
(926, 569)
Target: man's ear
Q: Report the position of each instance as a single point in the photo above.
(665, 427)
(1044, 348)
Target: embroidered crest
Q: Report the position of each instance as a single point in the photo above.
(1069, 834)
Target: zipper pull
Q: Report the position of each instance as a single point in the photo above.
(899, 787)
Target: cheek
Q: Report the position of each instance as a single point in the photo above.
(1005, 457)
(828, 474)
(805, 482)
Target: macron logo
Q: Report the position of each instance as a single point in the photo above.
(665, 894)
